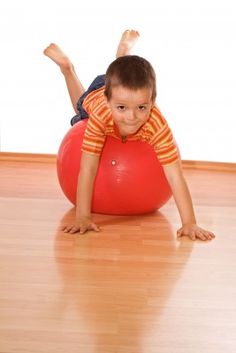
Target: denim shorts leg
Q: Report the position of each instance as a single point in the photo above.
(82, 114)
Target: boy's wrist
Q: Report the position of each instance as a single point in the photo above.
(80, 215)
(193, 222)
(190, 219)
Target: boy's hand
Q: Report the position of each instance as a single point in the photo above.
(81, 225)
(194, 232)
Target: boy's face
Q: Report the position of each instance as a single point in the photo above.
(130, 108)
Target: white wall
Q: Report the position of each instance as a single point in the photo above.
(191, 45)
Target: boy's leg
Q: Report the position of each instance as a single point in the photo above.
(74, 85)
(127, 41)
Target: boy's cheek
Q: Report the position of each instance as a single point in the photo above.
(116, 117)
(118, 122)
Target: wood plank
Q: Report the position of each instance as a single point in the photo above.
(27, 157)
(51, 158)
(133, 287)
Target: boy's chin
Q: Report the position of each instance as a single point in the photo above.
(132, 129)
(129, 130)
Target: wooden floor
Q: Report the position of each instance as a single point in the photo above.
(133, 288)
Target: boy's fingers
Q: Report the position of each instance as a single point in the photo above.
(192, 236)
(74, 230)
(179, 232)
(95, 227)
(207, 235)
(210, 235)
(69, 229)
(84, 229)
(201, 235)
(81, 229)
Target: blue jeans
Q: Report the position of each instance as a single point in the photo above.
(82, 114)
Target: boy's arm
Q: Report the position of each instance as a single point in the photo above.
(88, 170)
(184, 203)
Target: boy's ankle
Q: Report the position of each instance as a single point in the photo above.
(123, 50)
(67, 68)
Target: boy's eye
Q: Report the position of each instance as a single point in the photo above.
(142, 107)
(121, 107)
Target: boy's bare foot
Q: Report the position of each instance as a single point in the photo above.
(55, 53)
(128, 39)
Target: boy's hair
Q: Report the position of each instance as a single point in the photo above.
(132, 72)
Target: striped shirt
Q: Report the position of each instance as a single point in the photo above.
(155, 131)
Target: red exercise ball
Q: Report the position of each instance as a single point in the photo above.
(130, 179)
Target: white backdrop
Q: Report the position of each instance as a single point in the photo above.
(191, 45)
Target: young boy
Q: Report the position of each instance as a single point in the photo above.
(122, 104)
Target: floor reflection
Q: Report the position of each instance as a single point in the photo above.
(116, 283)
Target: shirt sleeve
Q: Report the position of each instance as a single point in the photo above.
(163, 141)
(94, 136)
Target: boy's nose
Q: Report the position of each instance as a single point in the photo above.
(131, 116)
